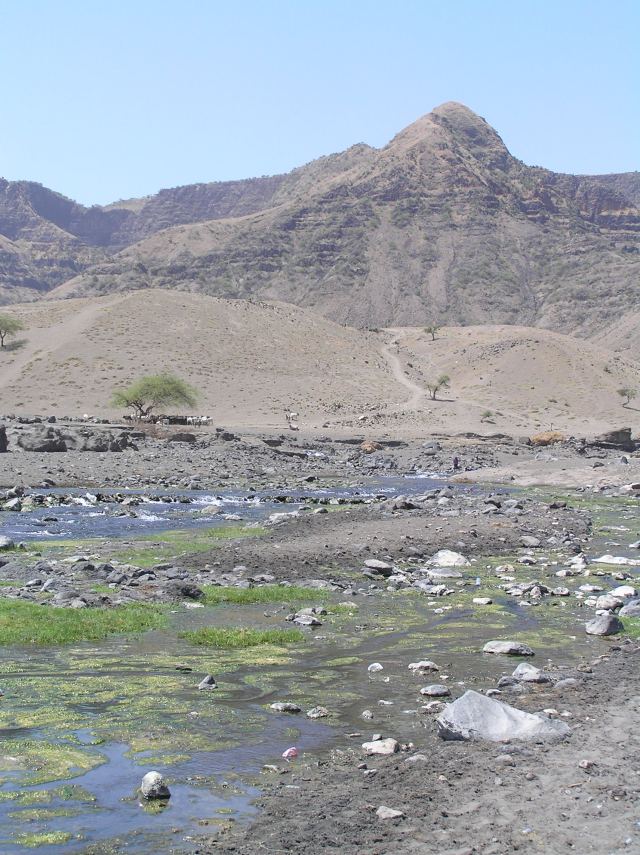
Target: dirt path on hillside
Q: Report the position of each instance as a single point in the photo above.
(390, 354)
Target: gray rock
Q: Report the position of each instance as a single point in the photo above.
(209, 682)
(475, 716)
(608, 603)
(382, 568)
(435, 691)
(318, 712)
(528, 540)
(530, 674)
(630, 610)
(6, 542)
(285, 706)
(508, 648)
(606, 624)
(153, 786)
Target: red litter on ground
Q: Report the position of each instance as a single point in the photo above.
(290, 754)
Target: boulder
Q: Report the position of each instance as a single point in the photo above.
(6, 543)
(383, 568)
(436, 690)
(508, 648)
(448, 558)
(475, 716)
(153, 786)
(527, 673)
(605, 624)
(40, 438)
(630, 610)
(608, 603)
(382, 747)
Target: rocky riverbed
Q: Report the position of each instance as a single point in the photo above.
(329, 622)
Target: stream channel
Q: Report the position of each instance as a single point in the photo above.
(81, 724)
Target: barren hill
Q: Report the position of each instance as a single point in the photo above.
(252, 361)
(442, 223)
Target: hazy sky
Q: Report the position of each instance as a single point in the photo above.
(107, 99)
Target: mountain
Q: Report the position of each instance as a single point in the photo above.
(443, 223)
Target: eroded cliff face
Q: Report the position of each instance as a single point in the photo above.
(442, 223)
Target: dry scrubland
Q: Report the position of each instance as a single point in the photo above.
(254, 360)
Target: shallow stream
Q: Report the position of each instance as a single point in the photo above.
(80, 725)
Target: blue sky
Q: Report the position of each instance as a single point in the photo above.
(110, 99)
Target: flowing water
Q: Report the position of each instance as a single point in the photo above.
(80, 725)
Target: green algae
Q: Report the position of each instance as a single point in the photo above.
(43, 814)
(43, 838)
(38, 762)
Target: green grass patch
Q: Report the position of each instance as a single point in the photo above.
(24, 623)
(8, 583)
(216, 595)
(239, 637)
(632, 627)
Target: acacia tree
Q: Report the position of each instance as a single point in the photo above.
(152, 391)
(9, 326)
(431, 330)
(628, 394)
(441, 383)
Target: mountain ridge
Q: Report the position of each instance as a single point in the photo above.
(441, 223)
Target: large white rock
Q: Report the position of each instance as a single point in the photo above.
(153, 786)
(383, 747)
(475, 716)
(448, 558)
(6, 542)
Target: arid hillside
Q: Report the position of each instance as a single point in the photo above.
(442, 223)
(252, 361)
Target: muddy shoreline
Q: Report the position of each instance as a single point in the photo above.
(471, 797)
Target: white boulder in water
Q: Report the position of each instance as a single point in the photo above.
(153, 786)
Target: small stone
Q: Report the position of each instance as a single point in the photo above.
(285, 706)
(482, 601)
(436, 691)
(530, 674)
(385, 812)
(317, 712)
(508, 648)
(423, 665)
(209, 682)
(375, 667)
